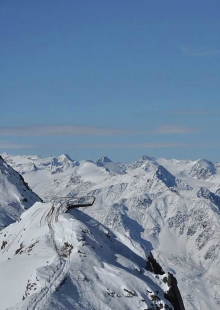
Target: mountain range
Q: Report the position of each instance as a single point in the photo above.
(167, 209)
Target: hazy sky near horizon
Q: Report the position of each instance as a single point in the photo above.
(120, 78)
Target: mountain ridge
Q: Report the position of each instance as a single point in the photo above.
(161, 207)
(15, 195)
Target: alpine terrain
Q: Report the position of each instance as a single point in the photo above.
(15, 195)
(153, 221)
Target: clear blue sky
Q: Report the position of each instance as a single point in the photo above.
(120, 78)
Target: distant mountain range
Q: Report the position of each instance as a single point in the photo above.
(168, 207)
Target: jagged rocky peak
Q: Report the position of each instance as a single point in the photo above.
(110, 166)
(32, 166)
(61, 163)
(145, 157)
(202, 169)
(64, 157)
(145, 162)
(205, 193)
(67, 161)
(104, 159)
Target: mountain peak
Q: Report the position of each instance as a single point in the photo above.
(64, 157)
(145, 157)
(104, 159)
(202, 169)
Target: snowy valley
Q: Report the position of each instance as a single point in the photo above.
(96, 257)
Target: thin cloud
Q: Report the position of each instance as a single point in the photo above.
(205, 53)
(174, 129)
(76, 130)
(138, 145)
(192, 52)
(193, 112)
(9, 145)
(60, 130)
(4, 145)
(130, 145)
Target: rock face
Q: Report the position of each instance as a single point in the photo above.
(153, 265)
(205, 193)
(202, 169)
(173, 295)
(15, 195)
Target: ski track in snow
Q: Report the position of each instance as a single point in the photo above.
(60, 274)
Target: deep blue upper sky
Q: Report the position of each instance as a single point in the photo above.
(119, 78)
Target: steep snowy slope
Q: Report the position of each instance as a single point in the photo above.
(172, 204)
(15, 195)
(74, 262)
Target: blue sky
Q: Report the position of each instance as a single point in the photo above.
(117, 78)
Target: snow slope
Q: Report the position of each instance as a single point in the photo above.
(15, 195)
(74, 262)
(170, 205)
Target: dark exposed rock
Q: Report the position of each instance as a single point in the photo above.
(173, 295)
(203, 169)
(178, 221)
(205, 193)
(153, 266)
(103, 159)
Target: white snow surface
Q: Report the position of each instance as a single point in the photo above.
(73, 263)
(171, 207)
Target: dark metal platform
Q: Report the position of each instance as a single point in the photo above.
(76, 202)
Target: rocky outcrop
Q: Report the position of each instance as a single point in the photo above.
(205, 193)
(153, 265)
(202, 169)
(173, 295)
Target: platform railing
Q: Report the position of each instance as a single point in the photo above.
(74, 202)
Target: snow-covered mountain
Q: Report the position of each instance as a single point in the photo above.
(74, 262)
(15, 195)
(170, 206)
